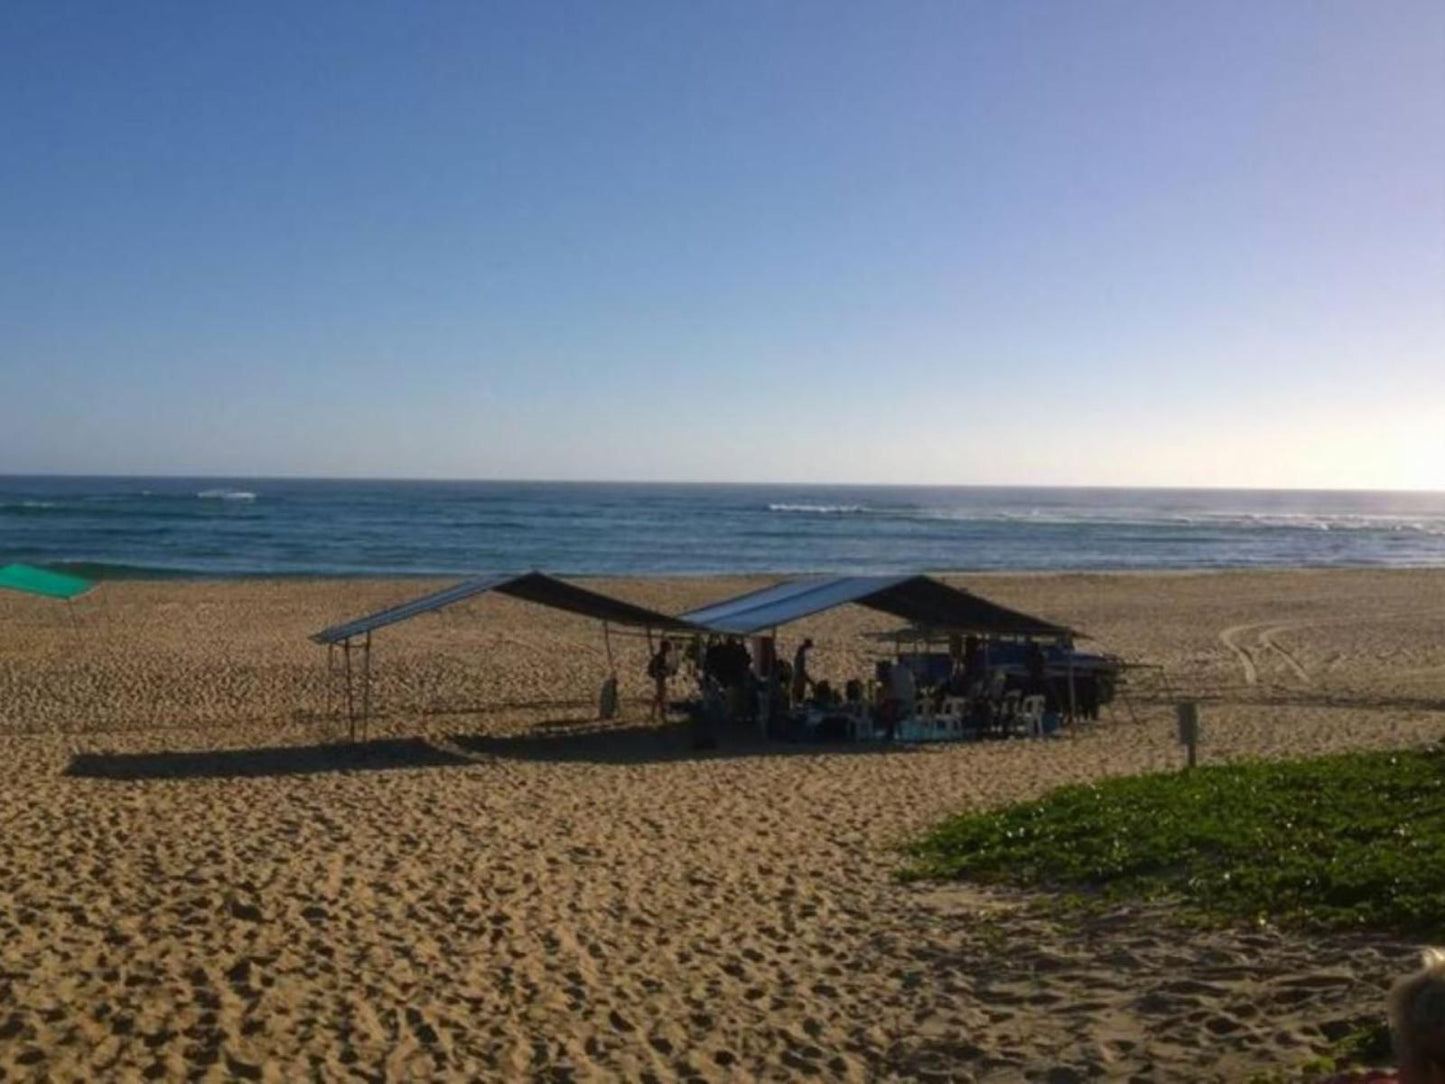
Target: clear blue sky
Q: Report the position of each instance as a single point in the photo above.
(1013, 242)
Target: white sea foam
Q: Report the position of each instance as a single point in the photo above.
(820, 509)
(226, 495)
(1199, 519)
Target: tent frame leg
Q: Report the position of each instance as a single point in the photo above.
(1073, 698)
(1123, 695)
(366, 686)
(350, 698)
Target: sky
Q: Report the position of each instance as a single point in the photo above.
(1094, 242)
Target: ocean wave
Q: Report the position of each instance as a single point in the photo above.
(226, 495)
(1195, 519)
(821, 509)
(1201, 519)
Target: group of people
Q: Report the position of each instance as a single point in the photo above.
(992, 681)
(725, 668)
(771, 690)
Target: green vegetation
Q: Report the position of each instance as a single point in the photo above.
(1353, 840)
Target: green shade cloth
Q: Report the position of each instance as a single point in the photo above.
(37, 581)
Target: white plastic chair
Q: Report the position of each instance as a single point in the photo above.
(1031, 715)
(860, 722)
(996, 682)
(1008, 710)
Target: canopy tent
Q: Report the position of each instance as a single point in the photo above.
(919, 600)
(39, 581)
(536, 587)
(922, 601)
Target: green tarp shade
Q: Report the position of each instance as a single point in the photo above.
(37, 581)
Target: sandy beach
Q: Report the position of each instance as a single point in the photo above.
(199, 881)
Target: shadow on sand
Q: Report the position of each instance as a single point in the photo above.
(368, 756)
(560, 742)
(554, 742)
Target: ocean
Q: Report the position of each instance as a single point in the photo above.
(118, 527)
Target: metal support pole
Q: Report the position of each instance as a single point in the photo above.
(350, 703)
(366, 685)
(607, 645)
(1133, 718)
(330, 677)
(1073, 702)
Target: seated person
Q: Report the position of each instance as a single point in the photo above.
(888, 709)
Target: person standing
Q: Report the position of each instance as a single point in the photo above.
(658, 669)
(801, 678)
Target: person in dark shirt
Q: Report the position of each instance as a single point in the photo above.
(1034, 664)
(659, 668)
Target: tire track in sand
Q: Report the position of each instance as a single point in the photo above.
(1266, 637)
(1253, 642)
(1246, 660)
(1251, 654)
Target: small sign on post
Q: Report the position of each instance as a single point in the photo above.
(1188, 712)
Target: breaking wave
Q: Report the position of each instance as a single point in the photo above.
(1201, 519)
(226, 495)
(821, 509)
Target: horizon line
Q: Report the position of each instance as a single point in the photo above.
(720, 483)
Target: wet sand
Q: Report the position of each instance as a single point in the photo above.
(199, 881)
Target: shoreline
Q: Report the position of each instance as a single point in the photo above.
(136, 574)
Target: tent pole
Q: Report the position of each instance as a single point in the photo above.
(607, 645)
(330, 676)
(350, 703)
(1119, 688)
(1073, 700)
(366, 685)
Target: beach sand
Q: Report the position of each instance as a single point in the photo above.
(199, 882)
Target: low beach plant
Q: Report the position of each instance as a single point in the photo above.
(1354, 840)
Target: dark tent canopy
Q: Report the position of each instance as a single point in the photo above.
(535, 587)
(919, 600)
